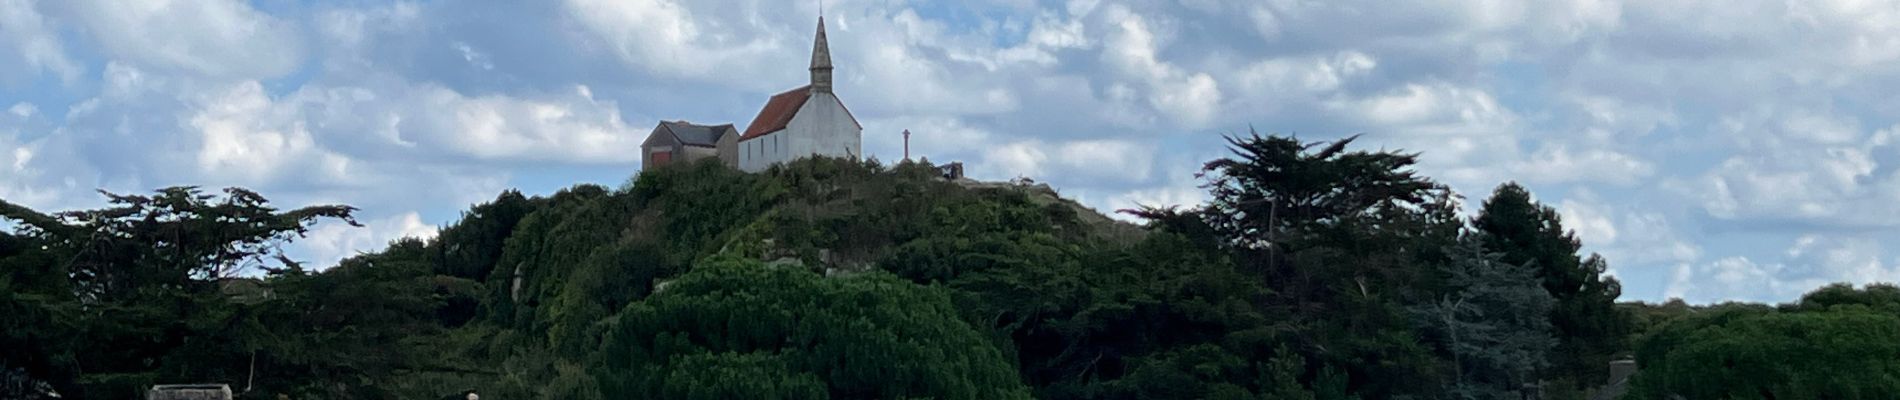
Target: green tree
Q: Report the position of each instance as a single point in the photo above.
(1589, 327)
(40, 335)
(40, 323)
(1342, 240)
(1494, 324)
(740, 329)
(1755, 352)
(350, 332)
(145, 274)
(177, 237)
(1298, 282)
(1877, 296)
(472, 246)
(538, 255)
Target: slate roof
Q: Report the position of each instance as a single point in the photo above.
(821, 49)
(696, 135)
(778, 112)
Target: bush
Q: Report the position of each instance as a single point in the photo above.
(1843, 353)
(786, 330)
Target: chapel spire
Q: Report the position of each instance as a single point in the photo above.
(821, 61)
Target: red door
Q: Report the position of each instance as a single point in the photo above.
(661, 159)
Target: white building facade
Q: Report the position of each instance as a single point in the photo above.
(803, 122)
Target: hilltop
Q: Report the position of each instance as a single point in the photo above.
(1316, 272)
(572, 265)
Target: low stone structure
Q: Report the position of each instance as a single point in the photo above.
(677, 142)
(189, 392)
(1620, 373)
(952, 171)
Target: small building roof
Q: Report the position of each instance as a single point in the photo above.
(696, 135)
(778, 112)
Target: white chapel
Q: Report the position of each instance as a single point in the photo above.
(806, 121)
(798, 123)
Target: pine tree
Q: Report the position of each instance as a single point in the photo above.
(1493, 323)
(1585, 316)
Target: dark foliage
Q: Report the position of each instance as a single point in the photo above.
(739, 328)
(1751, 351)
(134, 293)
(1589, 328)
(1303, 278)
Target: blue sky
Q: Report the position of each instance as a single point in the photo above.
(1712, 150)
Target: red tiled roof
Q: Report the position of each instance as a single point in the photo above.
(777, 113)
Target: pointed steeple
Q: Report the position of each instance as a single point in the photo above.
(821, 61)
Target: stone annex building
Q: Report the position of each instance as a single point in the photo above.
(802, 122)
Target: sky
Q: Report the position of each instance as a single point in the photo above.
(1710, 150)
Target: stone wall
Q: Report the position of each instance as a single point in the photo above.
(189, 392)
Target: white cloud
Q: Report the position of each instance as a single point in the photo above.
(899, 77)
(940, 138)
(1734, 278)
(29, 38)
(1082, 7)
(1107, 158)
(23, 110)
(474, 57)
(1870, 26)
(572, 127)
(352, 27)
(1464, 133)
(1590, 221)
(1810, 262)
(1652, 239)
(1569, 21)
(1436, 108)
(1048, 34)
(215, 38)
(1830, 184)
(1634, 240)
(1469, 31)
(346, 34)
(34, 169)
(1561, 164)
(666, 38)
(1845, 259)
(1265, 23)
(245, 137)
(1051, 33)
(322, 143)
(332, 241)
(21, 156)
(1018, 159)
(1082, 160)
(17, 184)
(240, 132)
(1189, 98)
(1822, 128)
(1613, 120)
(1286, 77)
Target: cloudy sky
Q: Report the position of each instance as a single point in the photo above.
(1712, 150)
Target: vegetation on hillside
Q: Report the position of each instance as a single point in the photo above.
(1315, 272)
(1837, 342)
